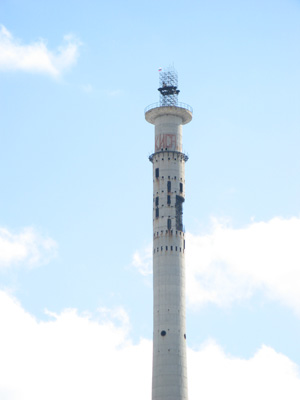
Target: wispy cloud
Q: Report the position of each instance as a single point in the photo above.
(88, 88)
(27, 247)
(36, 57)
(114, 93)
(142, 260)
(82, 356)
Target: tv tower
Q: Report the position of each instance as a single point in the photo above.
(169, 374)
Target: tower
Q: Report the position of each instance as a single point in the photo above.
(169, 375)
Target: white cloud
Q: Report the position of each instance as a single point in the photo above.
(231, 264)
(71, 357)
(36, 57)
(228, 265)
(78, 356)
(27, 247)
(267, 375)
(142, 261)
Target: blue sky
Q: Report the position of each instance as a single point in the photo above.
(76, 195)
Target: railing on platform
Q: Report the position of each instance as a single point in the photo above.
(180, 105)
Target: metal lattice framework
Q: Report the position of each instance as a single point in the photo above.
(168, 81)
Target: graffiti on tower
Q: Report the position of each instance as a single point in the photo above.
(165, 141)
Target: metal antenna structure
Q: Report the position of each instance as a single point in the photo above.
(168, 81)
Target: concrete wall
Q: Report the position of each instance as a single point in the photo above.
(169, 335)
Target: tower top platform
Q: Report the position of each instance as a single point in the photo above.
(180, 110)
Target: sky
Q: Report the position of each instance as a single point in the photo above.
(76, 195)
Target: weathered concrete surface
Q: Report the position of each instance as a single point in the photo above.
(169, 379)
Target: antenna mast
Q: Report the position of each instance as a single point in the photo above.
(168, 81)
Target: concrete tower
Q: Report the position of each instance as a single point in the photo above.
(169, 376)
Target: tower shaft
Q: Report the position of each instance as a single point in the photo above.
(169, 375)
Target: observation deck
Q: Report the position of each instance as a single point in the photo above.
(180, 109)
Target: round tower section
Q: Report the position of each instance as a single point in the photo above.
(169, 376)
(169, 380)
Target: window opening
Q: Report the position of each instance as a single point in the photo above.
(169, 186)
(157, 212)
(179, 212)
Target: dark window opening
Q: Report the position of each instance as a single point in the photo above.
(184, 336)
(169, 223)
(161, 248)
(156, 172)
(167, 248)
(163, 333)
(169, 199)
(171, 248)
(156, 201)
(179, 212)
(169, 186)
(157, 212)
(181, 187)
